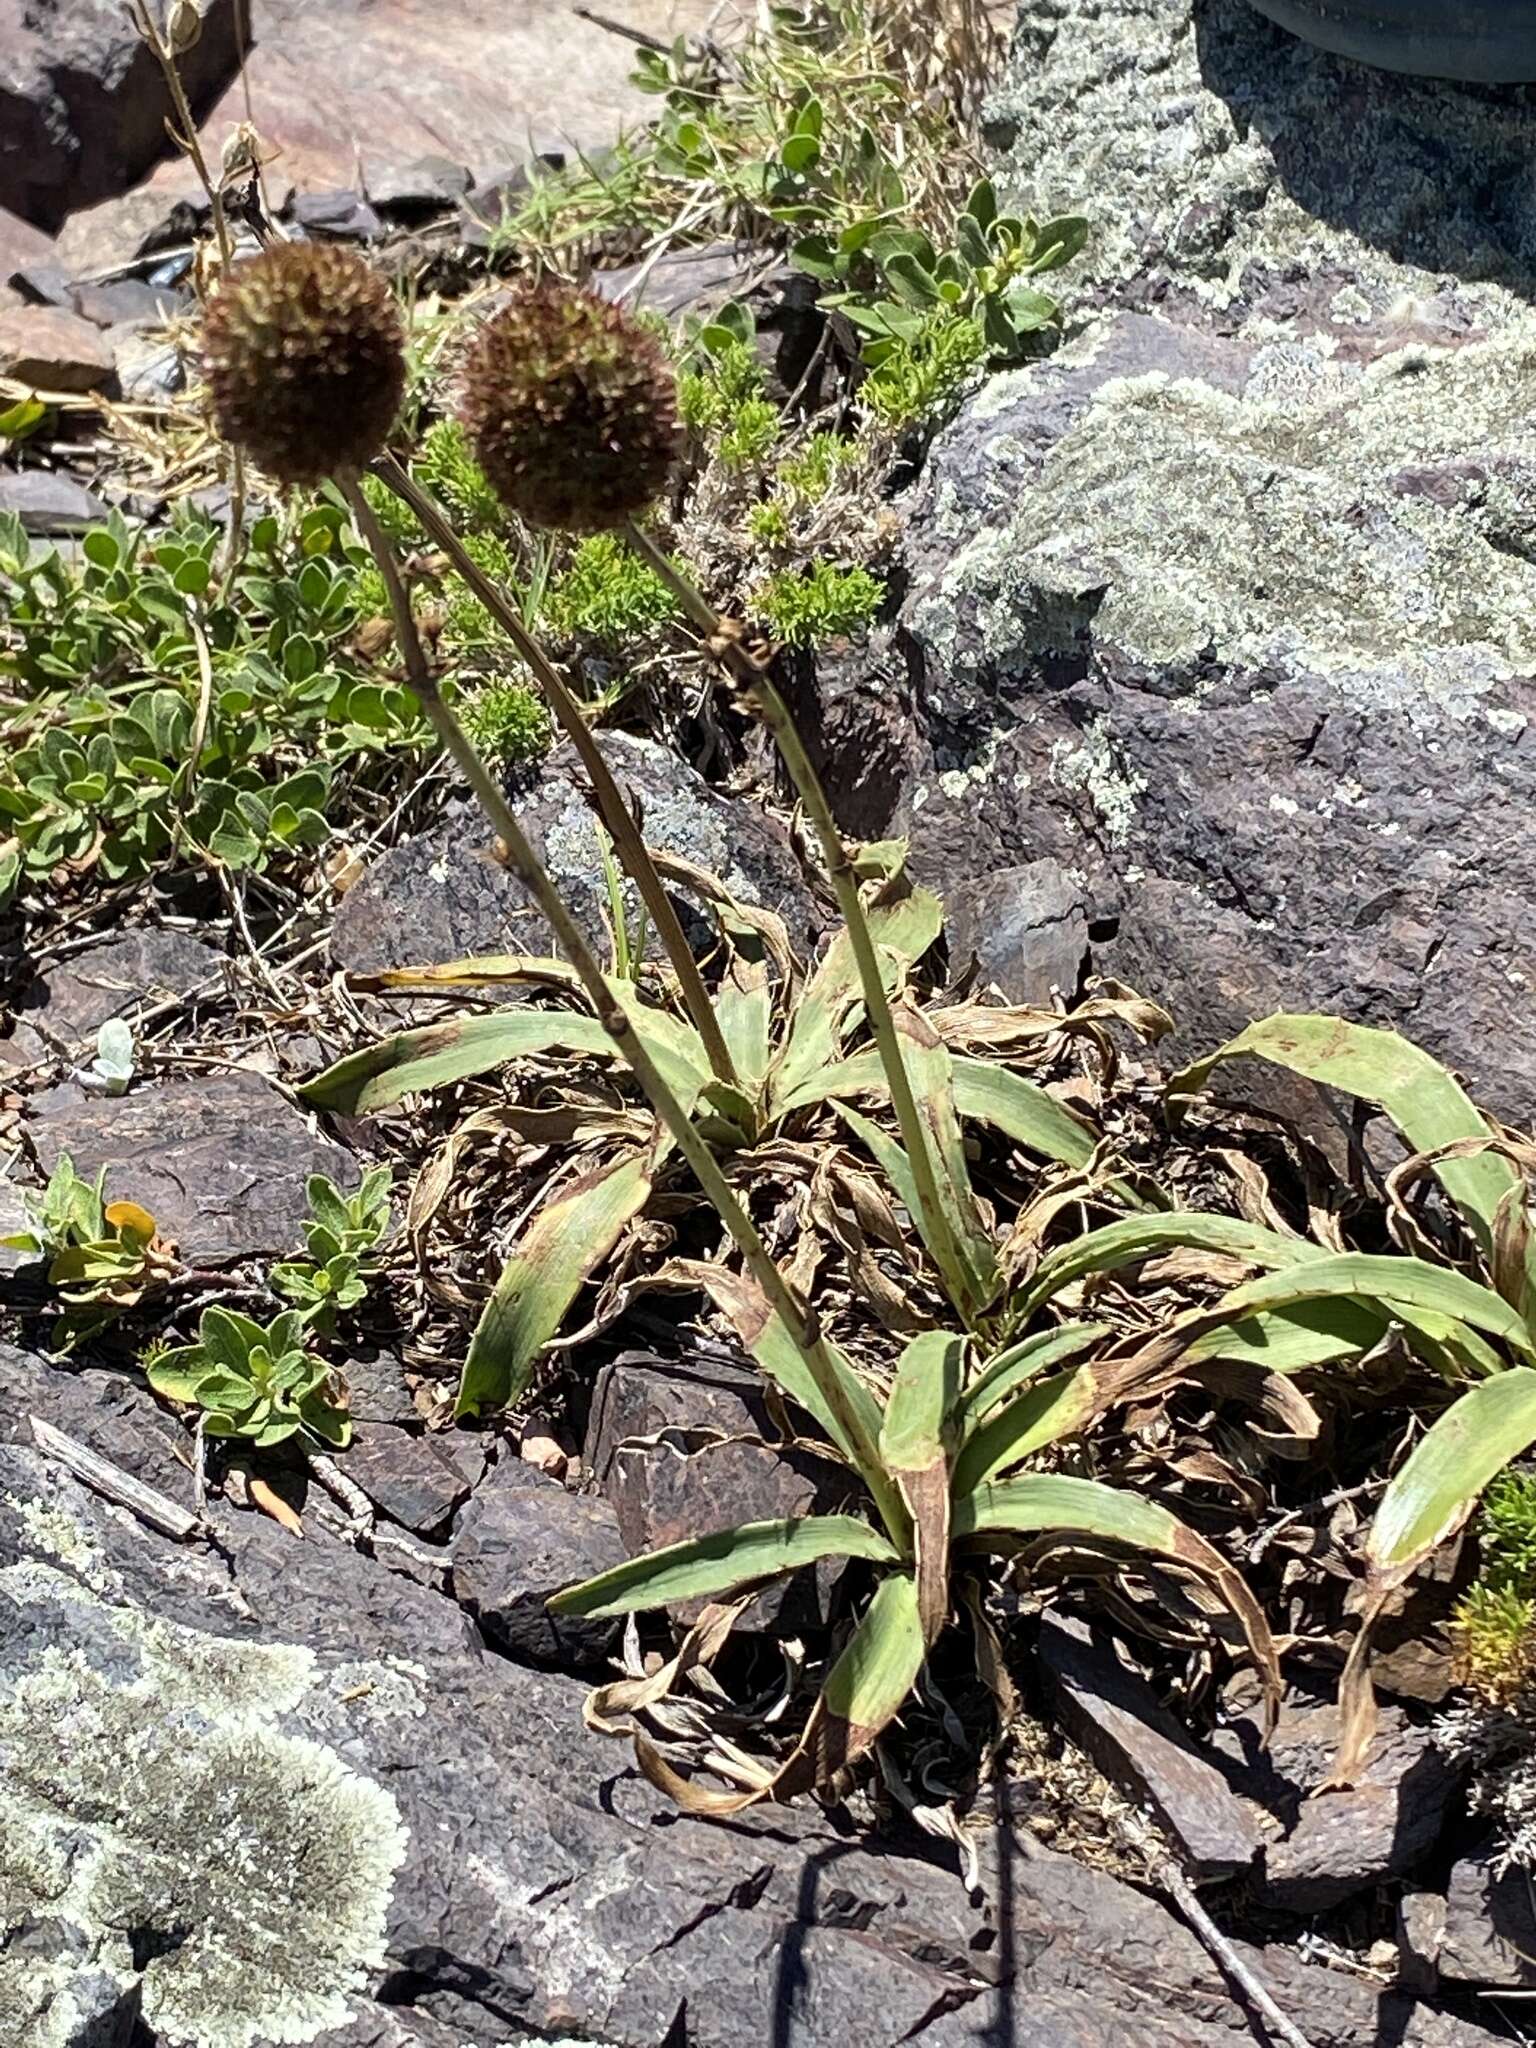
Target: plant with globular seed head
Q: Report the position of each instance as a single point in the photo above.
(571, 409)
(304, 355)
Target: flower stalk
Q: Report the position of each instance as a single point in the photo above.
(634, 855)
(798, 1317)
(765, 701)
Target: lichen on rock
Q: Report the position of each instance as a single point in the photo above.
(154, 1805)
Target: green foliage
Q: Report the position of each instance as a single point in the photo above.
(506, 721)
(167, 719)
(342, 1233)
(445, 464)
(1495, 1622)
(824, 602)
(720, 393)
(606, 597)
(925, 372)
(253, 1381)
(1508, 1531)
(893, 282)
(810, 472)
(102, 1256)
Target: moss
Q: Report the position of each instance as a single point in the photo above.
(150, 1791)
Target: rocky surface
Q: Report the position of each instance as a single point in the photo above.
(83, 106)
(220, 1160)
(67, 1004)
(1229, 608)
(522, 1538)
(442, 896)
(49, 349)
(365, 89)
(176, 1722)
(1481, 1930)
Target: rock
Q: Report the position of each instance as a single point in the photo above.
(416, 191)
(21, 246)
(409, 1477)
(126, 300)
(417, 1845)
(52, 350)
(683, 281)
(327, 83)
(83, 105)
(443, 897)
(1026, 928)
(683, 1447)
(343, 215)
(377, 1391)
(1228, 607)
(150, 368)
(68, 1004)
(220, 1161)
(1117, 1721)
(520, 1539)
(1482, 1932)
(111, 1413)
(48, 501)
(1338, 1843)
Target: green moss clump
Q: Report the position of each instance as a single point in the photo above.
(507, 722)
(607, 596)
(822, 603)
(1495, 1623)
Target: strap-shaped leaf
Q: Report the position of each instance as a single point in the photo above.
(1135, 1238)
(408, 1062)
(914, 1445)
(1021, 1362)
(1429, 1107)
(707, 1566)
(928, 1065)
(1288, 1340)
(564, 1245)
(1436, 1488)
(1397, 1283)
(1045, 1502)
(831, 1001)
(1042, 1414)
(744, 1009)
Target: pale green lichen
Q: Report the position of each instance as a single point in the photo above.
(150, 1792)
(1096, 770)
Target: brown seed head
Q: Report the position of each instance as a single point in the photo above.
(304, 355)
(571, 407)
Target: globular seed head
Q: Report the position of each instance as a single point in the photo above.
(304, 357)
(571, 408)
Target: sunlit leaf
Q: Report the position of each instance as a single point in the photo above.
(1041, 1415)
(1436, 1488)
(914, 1444)
(1396, 1283)
(705, 1566)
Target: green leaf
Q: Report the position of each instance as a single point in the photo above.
(1426, 1104)
(869, 1684)
(981, 207)
(1028, 310)
(1020, 1363)
(927, 1061)
(563, 1246)
(1044, 1502)
(1135, 1238)
(912, 284)
(1432, 1494)
(914, 1447)
(831, 1002)
(1291, 1339)
(1397, 1283)
(1045, 1411)
(744, 1012)
(412, 1061)
(1058, 241)
(707, 1566)
(17, 422)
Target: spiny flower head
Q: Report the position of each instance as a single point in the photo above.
(304, 355)
(571, 407)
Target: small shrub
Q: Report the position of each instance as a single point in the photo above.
(822, 603)
(506, 721)
(254, 1381)
(606, 596)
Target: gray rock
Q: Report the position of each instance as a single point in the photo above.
(1482, 1931)
(1336, 1844)
(49, 501)
(126, 300)
(377, 1391)
(1229, 607)
(150, 368)
(521, 1538)
(69, 1003)
(52, 350)
(417, 190)
(683, 1447)
(443, 896)
(1116, 1720)
(1026, 929)
(220, 1161)
(410, 1477)
(286, 1788)
(83, 105)
(343, 216)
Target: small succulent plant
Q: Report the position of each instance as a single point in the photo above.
(304, 353)
(571, 408)
(253, 1381)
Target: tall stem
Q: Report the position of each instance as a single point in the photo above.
(633, 853)
(775, 714)
(799, 1319)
